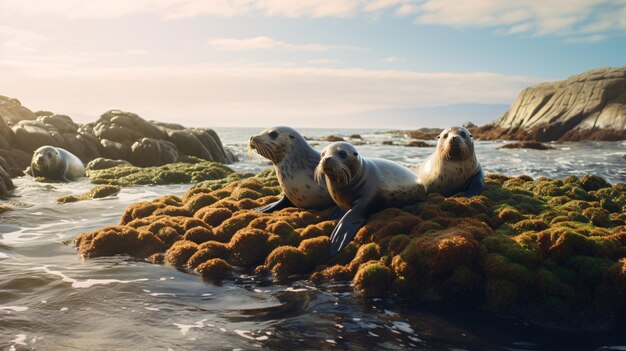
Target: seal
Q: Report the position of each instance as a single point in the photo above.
(294, 161)
(362, 186)
(55, 163)
(453, 169)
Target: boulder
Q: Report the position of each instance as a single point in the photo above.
(13, 111)
(591, 105)
(150, 152)
(105, 163)
(114, 150)
(30, 135)
(6, 185)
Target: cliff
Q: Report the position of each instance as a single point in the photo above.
(587, 106)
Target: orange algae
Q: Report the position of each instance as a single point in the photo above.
(546, 249)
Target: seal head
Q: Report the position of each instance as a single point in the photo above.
(294, 162)
(453, 168)
(362, 186)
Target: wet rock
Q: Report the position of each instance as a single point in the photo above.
(545, 250)
(97, 192)
(104, 163)
(150, 152)
(176, 173)
(418, 143)
(535, 145)
(6, 184)
(587, 106)
(332, 138)
(12, 111)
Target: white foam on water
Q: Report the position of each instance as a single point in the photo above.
(19, 339)
(185, 328)
(245, 334)
(81, 284)
(403, 326)
(13, 308)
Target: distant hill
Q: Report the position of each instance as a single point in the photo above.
(434, 116)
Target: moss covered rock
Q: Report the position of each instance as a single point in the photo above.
(548, 250)
(175, 173)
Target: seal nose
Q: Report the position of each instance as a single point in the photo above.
(326, 161)
(251, 142)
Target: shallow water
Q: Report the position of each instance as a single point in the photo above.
(51, 299)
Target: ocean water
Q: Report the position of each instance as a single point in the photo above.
(51, 299)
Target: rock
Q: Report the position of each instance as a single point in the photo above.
(104, 163)
(150, 152)
(12, 110)
(97, 192)
(61, 123)
(468, 125)
(549, 251)
(332, 138)
(418, 143)
(588, 106)
(30, 135)
(6, 184)
(535, 145)
(115, 135)
(176, 173)
(114, 150)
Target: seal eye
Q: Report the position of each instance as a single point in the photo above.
(463, 135)
(445, 136)
(273, 135)
(292, 137)
(356, 154)
(342, 154)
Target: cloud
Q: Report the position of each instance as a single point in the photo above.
(393, 59)
(565, 18)
(235, 95)
(266, 43)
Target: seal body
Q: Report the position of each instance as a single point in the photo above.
(362, 186)
(56, 163)
(453, 169)
(294, 162)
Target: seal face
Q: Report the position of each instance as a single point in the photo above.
(362, 186)
(56, 163)
(453, 168)
(294, 161)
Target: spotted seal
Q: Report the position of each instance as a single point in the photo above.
(362, 186)
(294, 161)
(453, 170)
(55, 163)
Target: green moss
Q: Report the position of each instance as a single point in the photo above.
(373, 279)
(168, 174)
(97, 192)
(545, 248)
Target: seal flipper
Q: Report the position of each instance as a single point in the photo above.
(336, 213)
(275, 206)
(474, 186)
(345, 230)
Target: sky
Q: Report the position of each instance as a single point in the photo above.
(304, 63)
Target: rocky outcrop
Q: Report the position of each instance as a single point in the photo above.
(588, 106)
(6, 185)
(115, 135)
(549, 251)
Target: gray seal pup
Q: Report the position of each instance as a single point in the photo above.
(362, 186)
(55, 163)
(294, 161)
(453, 170)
